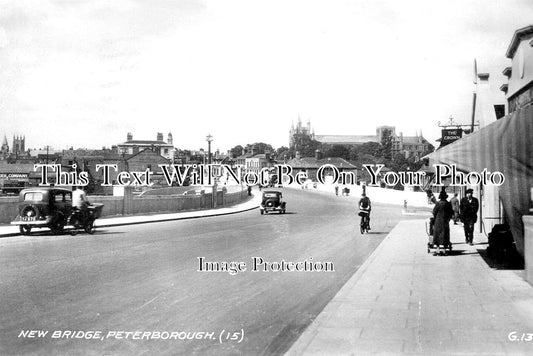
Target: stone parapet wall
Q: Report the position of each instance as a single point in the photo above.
(131, 205)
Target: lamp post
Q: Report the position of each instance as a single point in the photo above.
(209, 139)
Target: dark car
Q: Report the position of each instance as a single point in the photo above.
(43, 207)
(272, 201)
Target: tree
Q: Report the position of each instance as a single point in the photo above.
(283, 153)
(386, 144)
(236, 151)
(261, 147)
(354, 154)
(305, 145)
(370, 148)
(338, 151)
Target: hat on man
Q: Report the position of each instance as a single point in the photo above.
(470, 190)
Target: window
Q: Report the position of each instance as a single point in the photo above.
(500, 111)
(33, 196)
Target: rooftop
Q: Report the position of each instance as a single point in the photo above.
(516, 40)
(346, 139)
(312, 162)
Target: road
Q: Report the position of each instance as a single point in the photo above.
(144, 279)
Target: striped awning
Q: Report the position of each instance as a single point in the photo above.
(505, 146)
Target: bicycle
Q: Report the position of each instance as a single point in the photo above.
(365, 223)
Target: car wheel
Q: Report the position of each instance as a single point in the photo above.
(261, 212)
(25, 229)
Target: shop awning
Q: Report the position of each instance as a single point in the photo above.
(505, 146)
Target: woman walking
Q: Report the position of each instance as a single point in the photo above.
(442, 212)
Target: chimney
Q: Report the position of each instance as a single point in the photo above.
(318, 155)
(159, 136)
(170, 141)
(129, 137)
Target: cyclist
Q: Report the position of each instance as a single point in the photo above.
(80, 202)
(365, 206)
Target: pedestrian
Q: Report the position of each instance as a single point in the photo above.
(468, 207)
(455, 206)
(442, 213)
(336, 189)
(249, 190)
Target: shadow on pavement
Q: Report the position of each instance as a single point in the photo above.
(461, 252)
(505, 261)
(101, 232)
(286, 213)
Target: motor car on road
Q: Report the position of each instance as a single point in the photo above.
(272, 201)
(43, 207)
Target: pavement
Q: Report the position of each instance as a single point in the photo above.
(253, 203)
(404, 300)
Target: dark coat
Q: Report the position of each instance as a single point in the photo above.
(442, 212)
(469, 210)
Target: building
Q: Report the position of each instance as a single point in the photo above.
(19, 144)
(257, 162)
(131, 146)
(4, 150)
(414, 147)
(310, 165)
(519, 90)
(296, 133)
(503, 145)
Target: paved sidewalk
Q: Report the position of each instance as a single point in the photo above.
(13, 230)
(405, 301)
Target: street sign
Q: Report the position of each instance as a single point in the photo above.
(450, 135)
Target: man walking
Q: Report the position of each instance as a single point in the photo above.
(469, 206)
(455, 206)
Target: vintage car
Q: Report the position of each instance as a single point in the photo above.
(272, 201)
(43, 207)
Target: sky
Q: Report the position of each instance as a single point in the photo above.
(84, 73)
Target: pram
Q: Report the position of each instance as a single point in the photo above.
(430, 223)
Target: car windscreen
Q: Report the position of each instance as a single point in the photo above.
(33, 196)
(270, 195)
